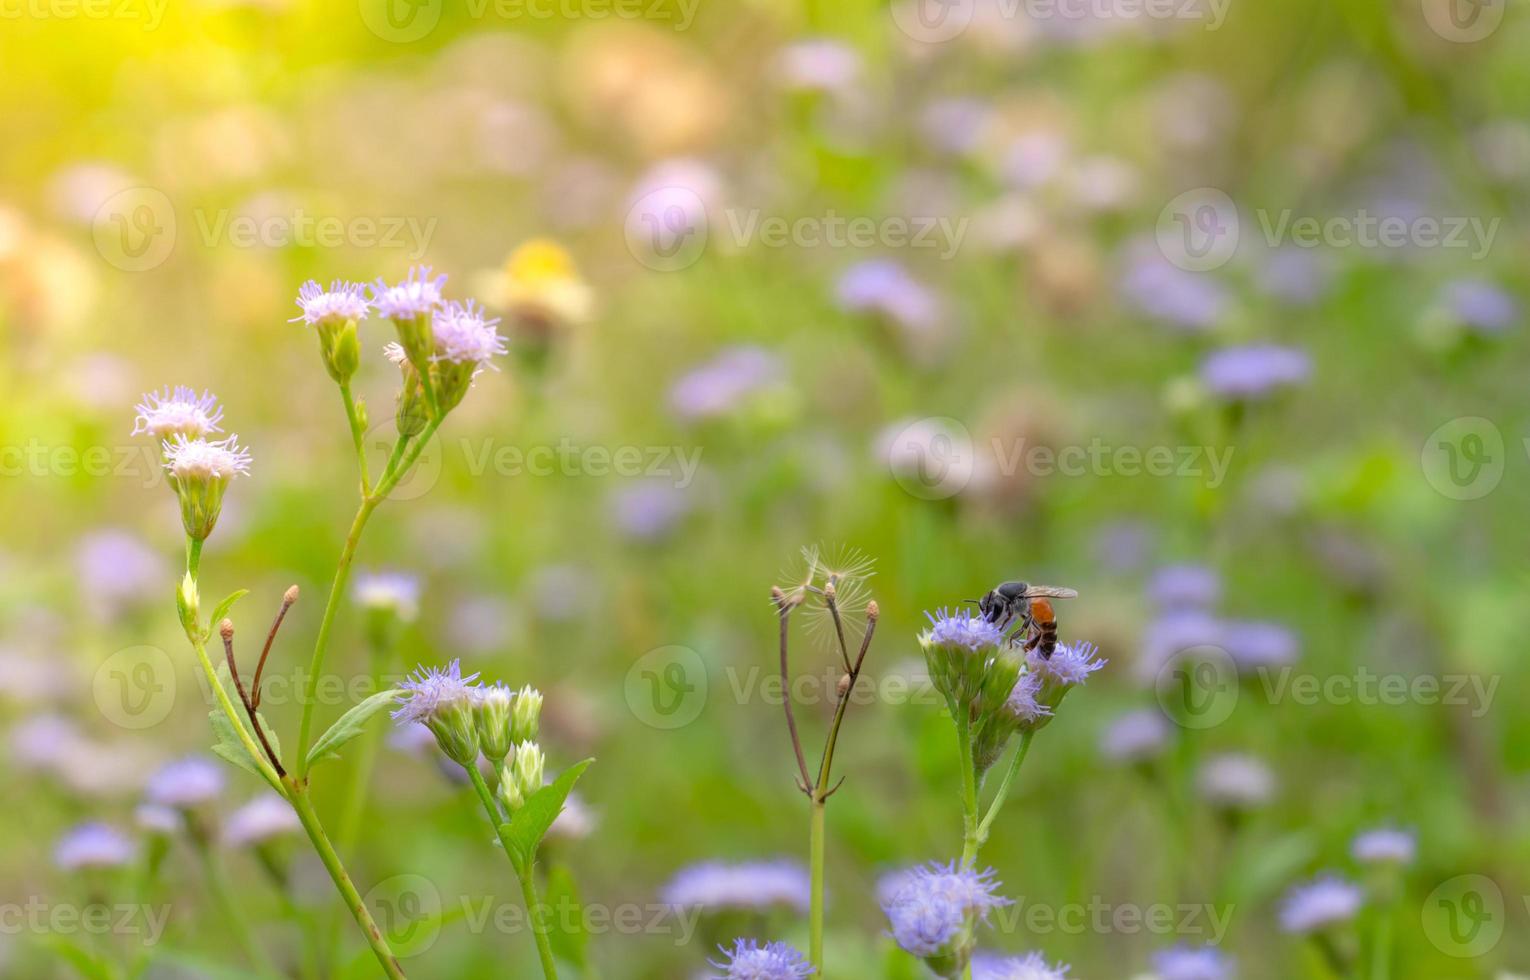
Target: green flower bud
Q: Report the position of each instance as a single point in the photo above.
(528, 767)
(453, 725)
(525, 715)
(188, 602)
(509, 790)
(339, 347)
(491, 715)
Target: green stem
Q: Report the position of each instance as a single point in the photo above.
(228, 909)
(815, 921)
(1381, 944)
(358, 436)
(1003, 790)
(298, 794)
(405, 452)
(969, 787)
(321, 644)
(534, 909)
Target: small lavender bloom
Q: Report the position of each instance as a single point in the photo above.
(885, 288)
(156, 819)
(1385, 845)
(718, 386)
(1068, 666)
(748, 960)
(1023, 704)
(818, 65)
(180, 411)
(1237, 782)
(264, 817)
(44, 743)
(429, 690)
(1135, 736)
(1316, 905)
(201, 460)
(1294, 276)
(1193, 302)
(1481, 305)
(118, 570)
(648, 511)
(1254, 371)
(1185, 585)
(343, 301)
(956, 126)
(1032, 966)
(397, 593)
(185, 783)
(1253, 645)
(750, 885)
(93, 845)
(1176, 631)
(465, 336)
(1192, 963)
(930, 905)
(960, 628)
(418, 295)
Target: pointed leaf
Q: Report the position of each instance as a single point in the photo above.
(349, 726)
(221, 610)
(529, 824)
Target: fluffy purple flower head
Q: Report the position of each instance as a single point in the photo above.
(1192, 963)
(177, 411)
(961, 628)
(750, 885)
(465, 336)
(1385, 845)
(1031, 966)
(1023, 703)
(748, 960)
(1069, 665)
(185, 783)
(201, 460)
(1135, 736)
(1253, 645)
(397, 593)
(930, 905)
(342, 301)
(264, 817)
(1326, 901)
(429, 690)
(1254, 370)
(93, 845)
(719, 385)
(1481, 305)
(418, 295)
(885, 288)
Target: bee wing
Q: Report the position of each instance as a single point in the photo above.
(1050, 591)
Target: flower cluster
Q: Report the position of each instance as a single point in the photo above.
(334, 314)
(999, 690)
(934, 909)
(750, 885)
(199, 468)
(748, 960)
(441, 345)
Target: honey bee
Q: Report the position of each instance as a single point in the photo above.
(1024, 612)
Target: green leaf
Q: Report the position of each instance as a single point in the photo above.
(230, 746)
(529, 825)
(221, 611)
(349, 726)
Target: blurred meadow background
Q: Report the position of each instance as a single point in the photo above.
(1212, 310)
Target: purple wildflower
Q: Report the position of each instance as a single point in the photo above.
(1135, 736)
(118, 570)
(1316, 905)
(750, 885)
(465, 336)
(1192, 963)
(418, 295)
(885, 288)
(1191, 301)
(1068, 666)
(93, 845)
(648, 511)
(1235, 781)
(264, 817)
(429, 690)
(929, 906)
(155, 819)
(1023, 704)
(1385, 845)
(1184, 586)
(718, 386)
(180, 411)
(1256, 645)
(1481, 305)
(342, 301)
(204, 460)
(397, 593)
(1032, 966)
(748, 960)
(1294, 276)
(185, 783)
(1254, 371)
(960, 628)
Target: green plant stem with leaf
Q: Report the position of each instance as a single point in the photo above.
(534, 909)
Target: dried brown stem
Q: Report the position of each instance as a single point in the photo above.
(288, 599)
(784, 611)
(226, 630)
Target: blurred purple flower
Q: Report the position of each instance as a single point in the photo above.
(650, 510)
(118, 570)
(1481, 305)
(264, 817)
(720, 384)
(93, 845)
(1254, 371)
(1135, 736)
(1190, 301)
(1316, 905)
(955, 126)
(1255, 645)
(1031, 966)
(1235, 781)
(1184, 586)
(818, 65)
(883, 287)
(1385, 845)
(185, 783)
(1192, 963)
(1294, 276)
(748, 885)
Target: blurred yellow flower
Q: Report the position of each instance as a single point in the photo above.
(540, 287)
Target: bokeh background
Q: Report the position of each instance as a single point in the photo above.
(980, 290)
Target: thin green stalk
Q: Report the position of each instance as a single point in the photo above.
(228, 910)
(1003, 790)
(358, 436)
(969, 788)
(298, 794)
(815, 921)
(534, 910)
(1381, 944)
